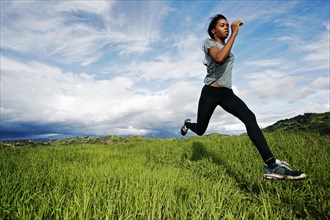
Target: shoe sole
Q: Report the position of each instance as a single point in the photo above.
(274, 176)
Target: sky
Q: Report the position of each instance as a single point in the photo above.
(85, 68)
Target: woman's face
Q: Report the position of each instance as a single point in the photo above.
(221, 29)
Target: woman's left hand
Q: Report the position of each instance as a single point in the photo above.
(235, 26)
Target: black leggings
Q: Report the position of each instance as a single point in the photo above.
(211, 97)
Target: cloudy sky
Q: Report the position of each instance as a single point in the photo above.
(78, 68)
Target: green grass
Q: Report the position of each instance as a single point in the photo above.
(209, 177)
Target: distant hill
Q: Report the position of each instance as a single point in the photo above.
(309, 122)
(74, 140)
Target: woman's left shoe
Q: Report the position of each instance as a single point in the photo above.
(184, 129)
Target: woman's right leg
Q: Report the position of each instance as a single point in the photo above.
(234, 105)
(206, 107)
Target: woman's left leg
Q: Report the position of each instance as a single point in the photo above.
(206, 107)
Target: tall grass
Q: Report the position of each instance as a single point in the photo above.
(210, 177)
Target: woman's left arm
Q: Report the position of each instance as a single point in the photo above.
(221, 55)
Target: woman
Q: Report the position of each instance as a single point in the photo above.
(217, 91)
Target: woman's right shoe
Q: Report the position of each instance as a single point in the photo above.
(281, 170)
(184, 128)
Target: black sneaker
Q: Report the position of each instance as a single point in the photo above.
(281, 170)
(184, 129)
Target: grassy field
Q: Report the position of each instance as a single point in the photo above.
(209, 177)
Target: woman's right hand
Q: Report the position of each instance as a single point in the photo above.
(235, 26)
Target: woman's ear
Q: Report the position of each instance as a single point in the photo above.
(213, 31)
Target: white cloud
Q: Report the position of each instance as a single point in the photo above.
(322, 82)
(111, 106)
(272, 84)
(277, 63)
(186, 64)
(78, 31)
(167, 69)
(43, 29)
(318, 50)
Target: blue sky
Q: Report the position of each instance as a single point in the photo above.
(76, 68)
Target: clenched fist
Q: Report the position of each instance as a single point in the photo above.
(235, 26)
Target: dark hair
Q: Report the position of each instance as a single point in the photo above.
(213, 23)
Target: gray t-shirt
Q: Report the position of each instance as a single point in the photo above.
(219, 73)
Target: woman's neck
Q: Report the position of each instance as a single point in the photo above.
(220, 41)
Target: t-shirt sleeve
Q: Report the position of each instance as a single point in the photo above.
(208, 43)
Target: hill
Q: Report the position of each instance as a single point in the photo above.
(309, 122)
(208, 177)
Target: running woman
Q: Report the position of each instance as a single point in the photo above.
(218, 91)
